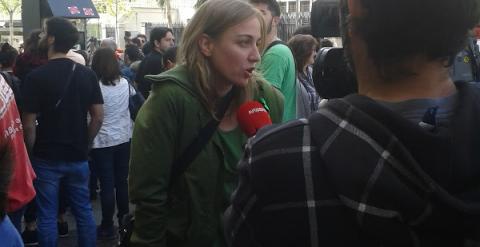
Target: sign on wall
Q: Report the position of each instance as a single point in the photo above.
(73, 8)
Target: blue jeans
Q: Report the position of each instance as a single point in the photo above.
(9, 236)
(16, 218)
(74, 176)
(111, 167)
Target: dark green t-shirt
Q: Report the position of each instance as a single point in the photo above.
(231, 140)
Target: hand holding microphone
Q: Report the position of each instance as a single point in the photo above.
(252, 116)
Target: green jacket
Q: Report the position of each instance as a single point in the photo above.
(167, 123)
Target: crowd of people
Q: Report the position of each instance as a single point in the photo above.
(395, 163)
(76, 127)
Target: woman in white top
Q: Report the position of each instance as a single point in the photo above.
(111, 148)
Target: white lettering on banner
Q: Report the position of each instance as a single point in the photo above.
(6, 96)
(256, 110)
(11, 131)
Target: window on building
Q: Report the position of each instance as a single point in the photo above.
(110, 32)
(304, 6)
(292, 6)
(283, 7)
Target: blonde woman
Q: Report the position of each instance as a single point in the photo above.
(219, 51)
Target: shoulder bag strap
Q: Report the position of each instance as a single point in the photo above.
(181, 164)
(274, 43)
(128, 85)
(69, 79)
(191, 152)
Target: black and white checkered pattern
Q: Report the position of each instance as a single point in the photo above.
(342, 178)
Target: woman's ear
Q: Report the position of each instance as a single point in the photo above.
(50, 40)
(205, 43)
(169, 64)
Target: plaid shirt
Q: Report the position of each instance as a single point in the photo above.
(342, 178)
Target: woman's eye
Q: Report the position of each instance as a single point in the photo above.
(244, 43)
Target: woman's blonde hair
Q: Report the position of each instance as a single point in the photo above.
(213, 18)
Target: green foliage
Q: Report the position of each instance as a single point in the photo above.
(166, 4)
(162, 3)
(199, 3)
(109, 7)
(10, 6)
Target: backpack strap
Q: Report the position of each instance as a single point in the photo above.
(274, 43)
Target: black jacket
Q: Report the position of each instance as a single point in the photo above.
(150, 65)
(357, 174)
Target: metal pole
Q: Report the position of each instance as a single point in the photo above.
(86, 34)
(116, 21)
(99, 29)
(10, 25)
(297, 15)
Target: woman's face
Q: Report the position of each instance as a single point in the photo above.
(234, 53)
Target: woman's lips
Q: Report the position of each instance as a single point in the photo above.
(249, 72)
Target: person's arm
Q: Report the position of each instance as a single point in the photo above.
(96, 108)
(153, 147)
(29, 130)
(31, 93)
(14, 156)
(96, 120)
(273, 68)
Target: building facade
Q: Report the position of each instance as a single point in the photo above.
(294, 6)
(139, 16)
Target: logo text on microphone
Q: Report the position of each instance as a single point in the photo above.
(256, 110)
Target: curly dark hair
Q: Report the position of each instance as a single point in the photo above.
(159, 33)
(397, 30)
(65, 33)
(134, 53)
(136, 41)
(8, 54)
(31, 43)
(272, 5)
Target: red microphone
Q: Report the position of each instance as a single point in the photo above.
(252, 116)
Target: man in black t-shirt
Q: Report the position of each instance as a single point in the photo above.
(59, 95)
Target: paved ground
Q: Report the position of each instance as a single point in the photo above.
(71, 239)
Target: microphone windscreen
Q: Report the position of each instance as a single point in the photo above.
(252, 116)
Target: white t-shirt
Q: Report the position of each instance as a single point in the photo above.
(117, 125)
(72, 55)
